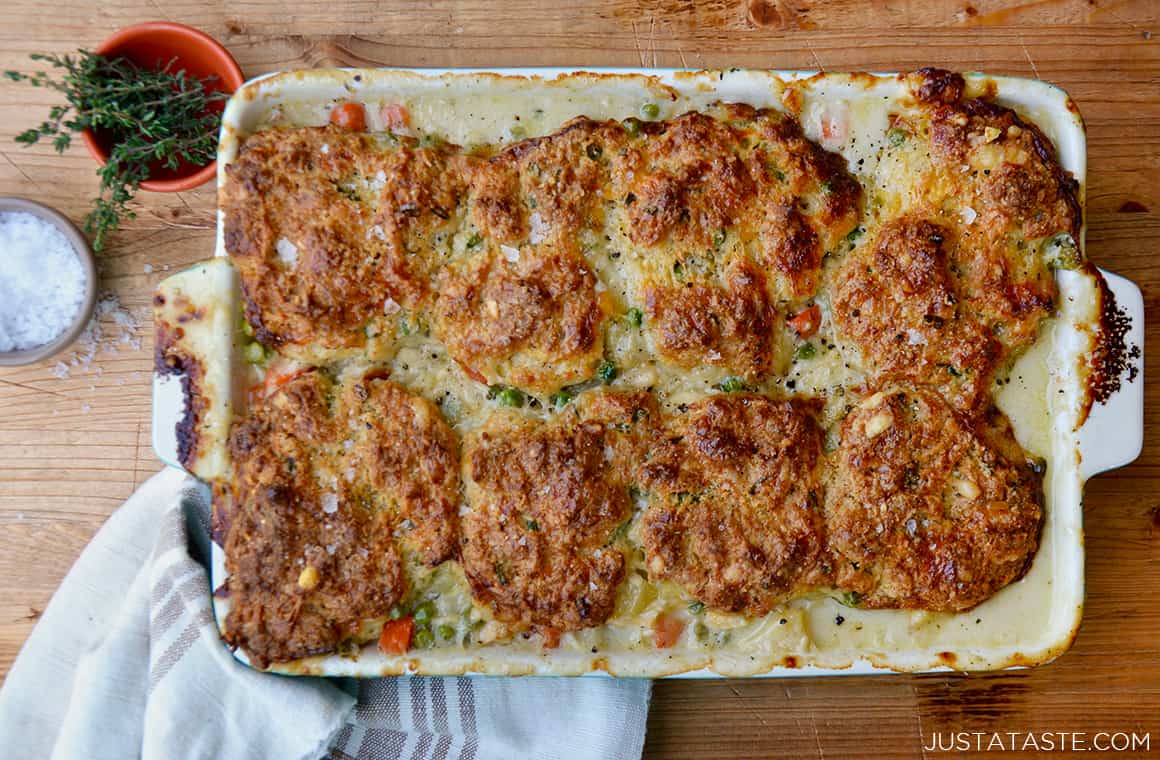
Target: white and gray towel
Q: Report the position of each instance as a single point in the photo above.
(126, 662)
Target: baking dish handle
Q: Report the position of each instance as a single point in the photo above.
(1113, 434)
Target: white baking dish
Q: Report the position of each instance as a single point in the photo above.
(1030, 622)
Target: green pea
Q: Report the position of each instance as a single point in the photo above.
(1068, 256)
(607, 372)
(896, 136)
(422, 638)
(631, 126)
(395, 613)
(718, 239)
(731, 385)
(650, 111)
(424, 612)
(560, 398)
(851, 598)
(518, 132)
(446, 632)
(247, 328)
(533, 526)
(697, 608)
(255, 353)
(635, 317)
(474, 240)
(594, 151)
(513, 397)
(805, 351)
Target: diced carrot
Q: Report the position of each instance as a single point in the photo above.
(807, 321)
(396, 635)
(349, 116)
(396, 117)
(666, 630)
(551, 637)
(280, 373)
(834, 127)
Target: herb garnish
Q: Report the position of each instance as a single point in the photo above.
(155, 118)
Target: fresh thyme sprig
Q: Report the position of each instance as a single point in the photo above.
(156, 118)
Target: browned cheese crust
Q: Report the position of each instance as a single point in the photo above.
(330, 485)
(732, 212)
(957, 286)
(527, 318)
(735, 503)
(926, 510)
(901, 302)
(331, 232)
(544, 502)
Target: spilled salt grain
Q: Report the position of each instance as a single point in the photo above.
(111, 328)
(42, 284)
(148, 269)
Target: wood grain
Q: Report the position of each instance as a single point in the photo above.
(72, 449)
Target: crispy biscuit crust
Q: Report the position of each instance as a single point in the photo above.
(735, 503)
(544, 502)
(317, 525)
(926, 510)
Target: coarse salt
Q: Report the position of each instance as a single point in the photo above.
(539, 228)
(42, 285)
(287, 252)
(329, 503)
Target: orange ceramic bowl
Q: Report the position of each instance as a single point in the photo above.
(154, 44)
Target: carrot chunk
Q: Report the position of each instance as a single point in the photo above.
(396, 636)
(807, 321)
(666, 630)
(349, 116)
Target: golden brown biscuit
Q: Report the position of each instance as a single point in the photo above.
(735, 496)
(925, 510)
(331, 486)
(544, 501)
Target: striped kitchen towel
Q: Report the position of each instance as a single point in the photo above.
(126, 662)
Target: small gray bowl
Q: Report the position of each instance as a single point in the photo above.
(65, 339)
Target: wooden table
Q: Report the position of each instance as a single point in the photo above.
(71, 449)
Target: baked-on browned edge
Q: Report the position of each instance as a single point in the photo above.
(171, 357)
(942, 463)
